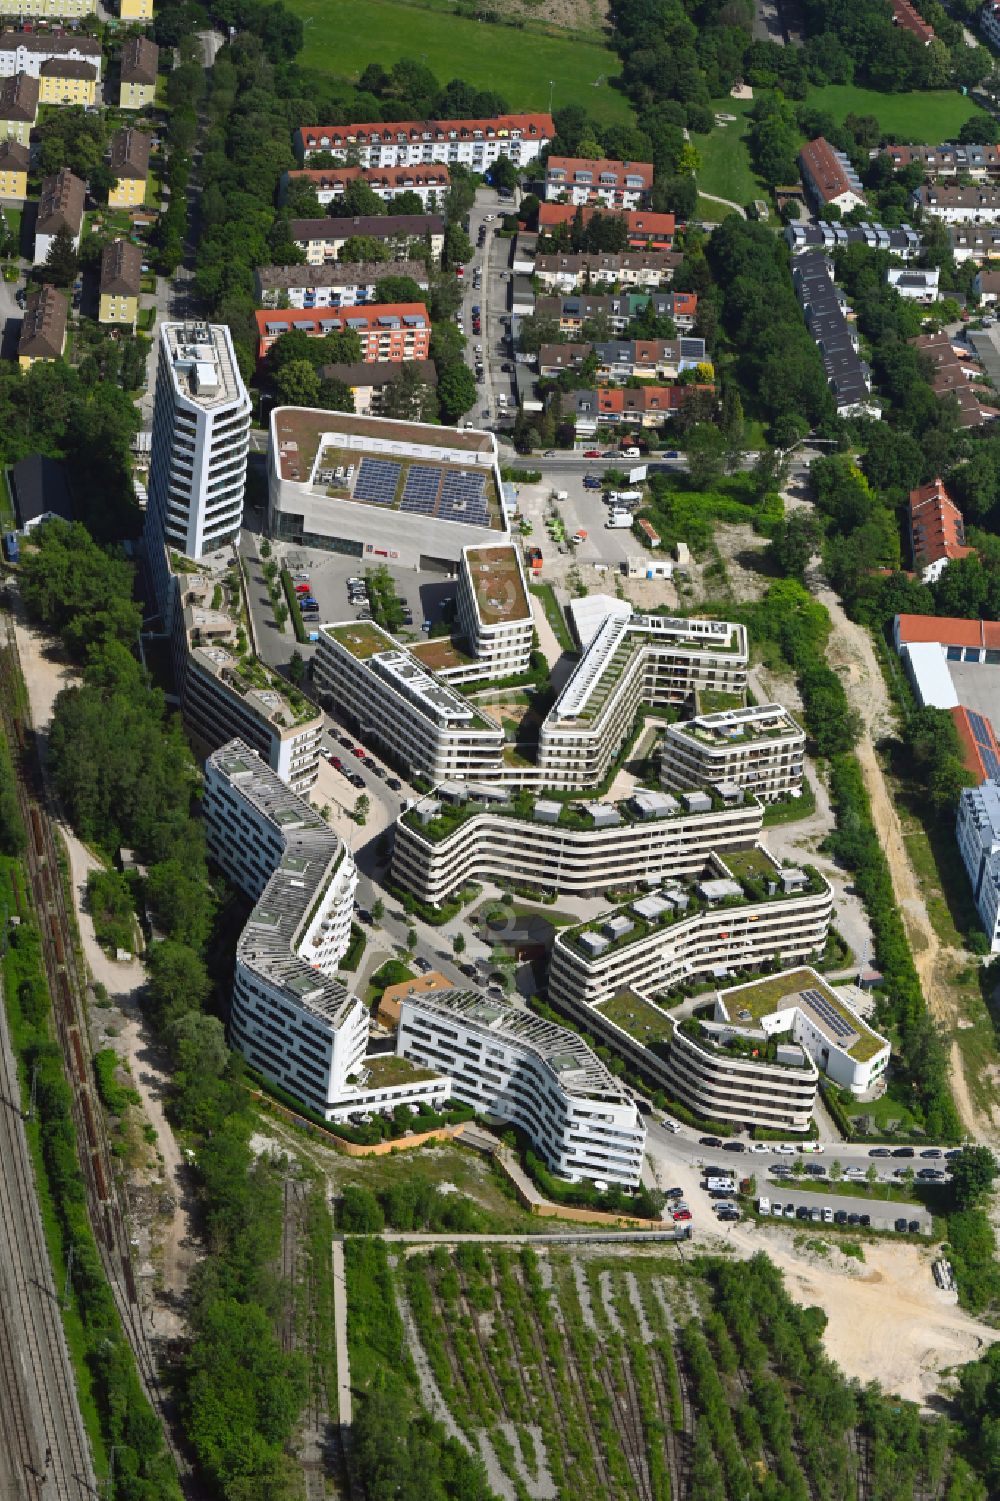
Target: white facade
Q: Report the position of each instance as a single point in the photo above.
(719, 1084)
(474, 143)
(706, 927)
(819, 1020)
(761, 749)
(913, 285)
(513, 1065)
(336, 284)
(954, 205)
(644, 839)
(290, 1018)
(24, 52)
(978, 833)
(493, 610)
(201, 439)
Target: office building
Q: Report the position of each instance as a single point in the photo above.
(745, 912)
(519, 1069)
(760, 749)
(471, 833)
(978, 833)
(410, 143)
(201, 439)
(373, 488)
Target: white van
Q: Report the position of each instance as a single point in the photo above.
(763, 1206)
(618, 519)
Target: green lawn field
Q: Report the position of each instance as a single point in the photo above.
(343, 36)
(925, 118)
(725, 160)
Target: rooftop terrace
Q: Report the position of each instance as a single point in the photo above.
(747, 1005)
(742, 726)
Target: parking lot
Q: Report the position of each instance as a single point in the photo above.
(883, 1214)
(428, 595)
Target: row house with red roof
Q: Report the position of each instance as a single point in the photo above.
(598, 181)
(430, 183)
(632, 406)
(645, 229)
(389, 331)
(571, 313)
(409, 143)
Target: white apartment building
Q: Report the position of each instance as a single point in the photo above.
(978, 833)
(801, 1005)
(410, 493)
(516, 1067)
(578, 848)
(416, 720)
(761, 749)
(408, 143)
(200, 443)
(292, 1020)
(721, 1079)
(711, 926)
(616, 185)
(633, 661)
(26, 51)
(403, 235)
(493, 610)
(429, 183)
(50, 10)
(403, 698)
(335, 284)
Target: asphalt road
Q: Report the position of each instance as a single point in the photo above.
(883, 1214)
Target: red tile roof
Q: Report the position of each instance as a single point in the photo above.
(599, 166)
(427, 175)
(820, 163)
(937, 528)
(909, 18)
(912, 630)
(641, 226)
(535, 127)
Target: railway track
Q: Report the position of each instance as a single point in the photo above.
(40, 1418)
(106, 1200)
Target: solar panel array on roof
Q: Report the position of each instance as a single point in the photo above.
(984, 745)
(463, 497)
(839, 1026)
(376, 482)
(420, 492)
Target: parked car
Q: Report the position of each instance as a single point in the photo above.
(854, 1172)
(828, 1215)
(903, 1152)
(932, 1152)
(709, 1141)
(356, 779)
(901, 1224)
(789, 1211)
(359, 751)
(394, 783)
(914, 1227)
(864, 1220)
(802, 1213)
(682, 1214)
(880, 1152)
(674, 1193)
(336, 763)
(840, 1217)
(854, 1219)
(785, 1149)
(734, 1146)
(423, 965)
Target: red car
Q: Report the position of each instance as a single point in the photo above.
(359, 752)
(336, 763)
(682, 1214)
(593, 453)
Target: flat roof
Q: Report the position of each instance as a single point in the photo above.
(497, 583)
(740, 726)
(203, 363)
(819, 1002)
